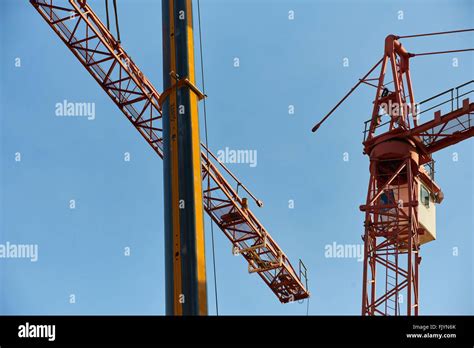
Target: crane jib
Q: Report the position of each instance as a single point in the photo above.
(104, 58)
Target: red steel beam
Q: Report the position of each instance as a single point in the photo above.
(461, 123)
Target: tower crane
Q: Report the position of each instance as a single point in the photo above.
(400, 205)
(104, 57)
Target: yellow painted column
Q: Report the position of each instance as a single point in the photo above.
(185, 261)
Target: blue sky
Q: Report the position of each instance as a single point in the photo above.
(120, 204)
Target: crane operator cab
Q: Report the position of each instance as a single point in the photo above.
(429, 194)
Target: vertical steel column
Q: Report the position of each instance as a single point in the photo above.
(185, 262)
(391, 232)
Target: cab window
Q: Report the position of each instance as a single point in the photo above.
(425, 196)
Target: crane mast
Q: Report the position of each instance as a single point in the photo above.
(185, 258)
(102, 55)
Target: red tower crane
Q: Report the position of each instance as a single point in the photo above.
(103, 56)
(399, 209)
